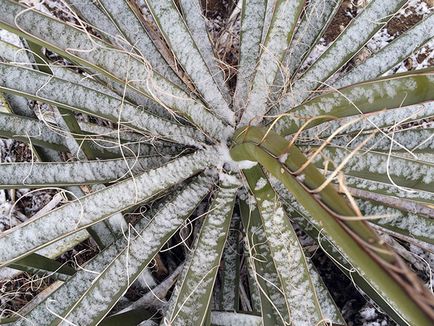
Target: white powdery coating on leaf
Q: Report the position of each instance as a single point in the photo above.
(175, 98)
(109, 286)
(138, 37)
(177, 35)
(388, 189)
(269, 12)
(328, 307)
(231, 265)
(25, 128)
(348, 43)
(390, 55)
(279, 35)
(263, 269)
(250, 34)
(9, 52)
(190, 298)
(316, 18)
(195, 20)
(228, 178)
(10, 38)
(94, 16)
(299, 213)
(302, 217)
(393, 218)
(115, 259)
(59, 247)
(234, 319)
(290, 264)
(333, 103)
(21, 174)
(95, 207)
(377, 163)
(379, 119)
(423, 139)
(86, 80)
(93, 102)
(113, 62)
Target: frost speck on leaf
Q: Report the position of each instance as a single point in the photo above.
(260, 184)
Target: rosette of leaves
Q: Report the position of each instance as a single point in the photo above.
(334, 147)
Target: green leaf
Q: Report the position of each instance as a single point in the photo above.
(302, 218)
(313, 24)
(374, 187)
(223, 318)
(381, 167)
(231, 267)
(83, 212)
(192, 296)
(279, 36)
(388, 120)
(16, 175)
(274, 310)
(64, 94)
(385, 93)
(82, 48)
(404, 222)
(392, 54)
(37, 264)
(374, 16)
(127, 19)
(406, 142)
(177, 35)
(10, 52)
(129, 318)
(286, 252)
(88, 296)
(195, 20)
(350, 234)
(92, 14)
(252, 19)
(30, 130)
(329, 309)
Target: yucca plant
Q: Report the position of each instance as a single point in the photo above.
(131, 107)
